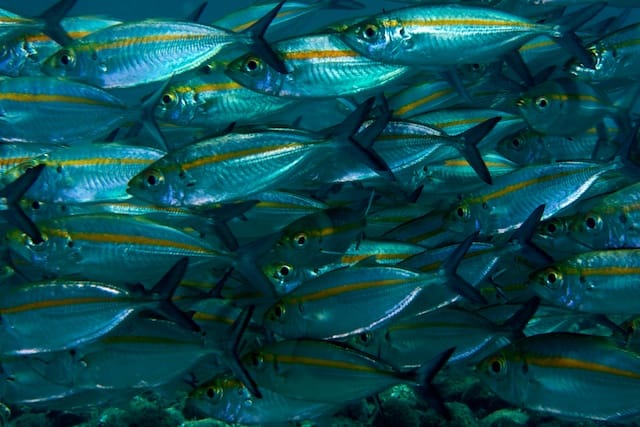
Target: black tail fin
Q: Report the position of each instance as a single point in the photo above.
(259, 45)
(566, 37)
(424, 377)
(12, 193)
(468, 147)
(166, 287)
(237, 331)
(518, 321)
(52, 17)
(146, 116)
(454, 281)
(525, 233)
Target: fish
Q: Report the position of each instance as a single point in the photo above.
(129, 54)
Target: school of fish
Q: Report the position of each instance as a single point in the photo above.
(278, 220)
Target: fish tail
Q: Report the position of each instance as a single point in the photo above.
(525, 233)
(13, 192)
(146, 117)
(469, 148)
(563, 31)
(454, 280)
(259, 45)
(165, 288)
(195, 15)
(52, 17)
(519, 320)
(423, 376)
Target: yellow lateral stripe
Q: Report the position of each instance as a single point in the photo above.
(415, 104)
(214, 87)
(319, 54)
(352, 259)
(139, 40)
(46, 97)
(573, 96)
(354, 287)
(35, 38)
(520, 185)
(98, 161)
(570, 363)
(470, 22)
(239, 154)
(601, 271)
(329, 231)
(312, 361)
(207, 317)
(128, 239)
(464, 163)
(39, 305)
(538, 45)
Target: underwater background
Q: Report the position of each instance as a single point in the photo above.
(467, 399)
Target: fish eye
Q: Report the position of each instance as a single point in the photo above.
(542, 102)
(277, 312)
(283, 271)
(300, 240)
(153, 178)
(35, 205)
(552, 279)
(553, 227)
(252, 64)
(497, 365)
(214, 393)
(66, 58)
(593, 222)
(370, 31)
(462, 212)
(517, 143)
(207, 68)
(169, 99)
(364, 338)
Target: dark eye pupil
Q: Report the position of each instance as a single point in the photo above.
(284, 270)
(460, 212)
(151, 180)
(591, 222)
(277, 311)
(551, 277)
(210, 393)
(166, 99)
(252, 65)
(476, 66)
(64, 59)
(369, 32)
(301, 240)
(516, 143)
(35, 205)
(551, 228)
(364, 337)
(542, 103)
(495, 366)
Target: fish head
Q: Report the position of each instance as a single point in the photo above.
(520, 147)
(159, 183)
(63, 63)
(38, 260)
(254, 73)
(222, 398)
(589, 229)
(543, 107)
(283, 275)
(377, 38)
(550, 284)
(178, 105)
(285, 318)
(506, 373)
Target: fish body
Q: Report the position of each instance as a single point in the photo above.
(553, 372)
